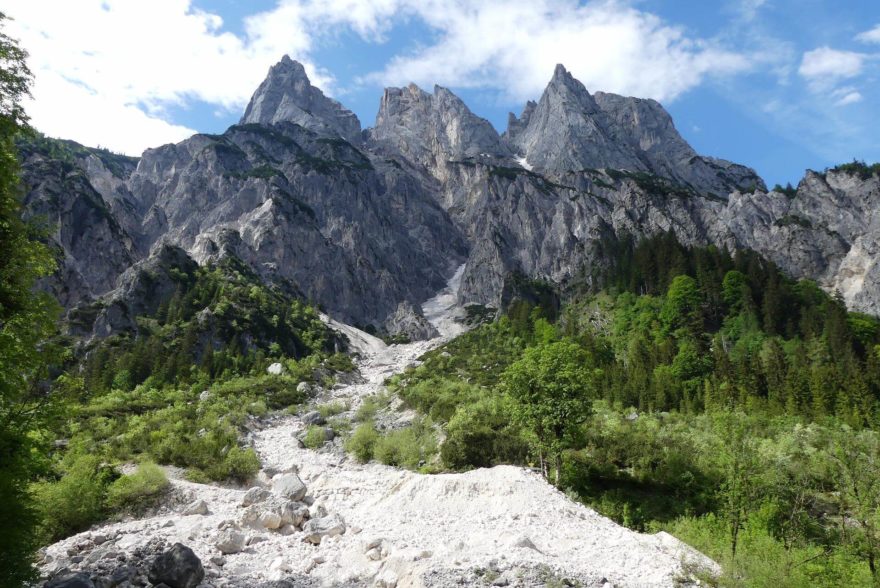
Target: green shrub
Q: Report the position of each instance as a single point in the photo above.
(340, 362)
(369, 407)
(72, 503)
(332, 409)
(482, 435)
(409, 448)
(139, 489)
(315, 437)
(362, 442)
(240, 464)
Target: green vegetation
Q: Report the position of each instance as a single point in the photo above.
(178, 390)
(698, 392)
(858, 168)
(139, 489)
(27, 320)
(788, 190)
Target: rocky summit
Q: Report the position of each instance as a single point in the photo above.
(369, 224)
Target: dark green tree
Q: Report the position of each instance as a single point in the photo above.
(26, 321)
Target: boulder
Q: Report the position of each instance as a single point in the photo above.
(313, 418)
(230, 541)
(255, 495)
(316, 529)
(179, 567)
(289, 486)
(71, 580)
(269, 520)
(275, 369)
(304, 388)
(294, 513)
(197, 507)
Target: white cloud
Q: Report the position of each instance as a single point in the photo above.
(846, 95)
(515, 45)
(108, 71)
(850, 98)
(823, 67)
(872, 36)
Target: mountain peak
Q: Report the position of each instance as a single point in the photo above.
(287, 95)
(431, 128)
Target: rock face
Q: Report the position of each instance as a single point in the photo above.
(369, 225)
(569, 130)
(431, 129)
(409, 323)
(287, 95)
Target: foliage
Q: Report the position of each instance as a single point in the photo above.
(732, 406)
(315, 437)
(411, 447)
(858, 168)
(362, 442)
(552, 389)
(136, 490)
(74, 501)
(27, 320)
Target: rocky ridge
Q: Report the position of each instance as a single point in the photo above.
(369, 224)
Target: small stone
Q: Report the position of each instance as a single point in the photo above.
(374, 554)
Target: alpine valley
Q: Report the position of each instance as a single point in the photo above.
(423, 353)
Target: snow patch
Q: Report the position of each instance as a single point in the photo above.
(525, 164)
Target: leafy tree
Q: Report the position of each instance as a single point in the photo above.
(682, 308)
(552, 387)
(857, 457)
(26, 321)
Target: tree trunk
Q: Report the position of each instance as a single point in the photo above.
(558, 466)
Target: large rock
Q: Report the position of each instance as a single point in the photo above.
(179, 567)
(71, 580)
(410, 323)
(230, 541)
(289, 486)
(255, 495)
(316, 530)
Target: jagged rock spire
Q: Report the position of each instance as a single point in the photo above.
(287, 95)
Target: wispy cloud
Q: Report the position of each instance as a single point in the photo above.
(871, 36)
(825, 66)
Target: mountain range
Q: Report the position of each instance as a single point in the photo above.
(369, 223)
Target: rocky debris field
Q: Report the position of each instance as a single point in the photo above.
(319, 518)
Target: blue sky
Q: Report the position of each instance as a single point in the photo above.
(780, 85)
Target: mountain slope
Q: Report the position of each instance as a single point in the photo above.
(369, 224)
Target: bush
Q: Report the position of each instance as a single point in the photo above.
(409, 448)
(139, 489)
(315, 437)
(74, 502)
(482, 435)
(240, 464)
(363, 442)
(332, 409)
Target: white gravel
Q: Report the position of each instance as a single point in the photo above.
(406, 529)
